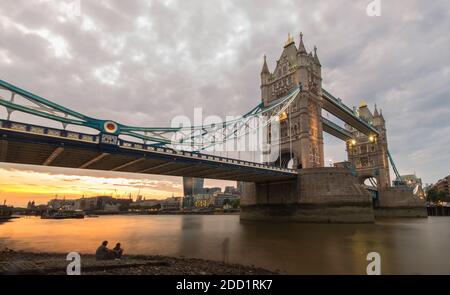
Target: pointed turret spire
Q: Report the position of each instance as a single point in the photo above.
(301, 46)
(265, 68)
(375, 113)
(380, 116)
(316, 58)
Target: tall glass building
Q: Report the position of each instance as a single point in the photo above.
(192, 186)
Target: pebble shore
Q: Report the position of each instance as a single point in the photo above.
(19, 262)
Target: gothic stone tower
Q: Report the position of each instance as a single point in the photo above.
(369, 154)
(301, 126)
(317, 193)
(320, 194)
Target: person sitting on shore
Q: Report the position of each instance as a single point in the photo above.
(118, 251)
(103, 253)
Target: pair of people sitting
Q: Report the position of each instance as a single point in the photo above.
(103, 253)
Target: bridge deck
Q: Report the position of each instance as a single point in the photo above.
(340, 110)
(36, 145)
(335, 130)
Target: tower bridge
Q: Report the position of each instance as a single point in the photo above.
(296, 186)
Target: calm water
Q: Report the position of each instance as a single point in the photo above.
(406, 246)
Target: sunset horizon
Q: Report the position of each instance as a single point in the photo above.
(21, 184)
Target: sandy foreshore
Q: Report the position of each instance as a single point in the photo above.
(27, 263)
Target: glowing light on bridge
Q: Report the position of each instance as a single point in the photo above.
(283, 116)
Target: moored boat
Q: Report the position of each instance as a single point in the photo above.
(92, 216)
(63, 215)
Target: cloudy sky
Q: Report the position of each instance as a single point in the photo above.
(144, 62)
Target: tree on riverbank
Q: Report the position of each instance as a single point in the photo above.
(435, 196)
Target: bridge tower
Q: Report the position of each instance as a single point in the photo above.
(318, 193)
(370, 157)
(301, 135)
(369, 153)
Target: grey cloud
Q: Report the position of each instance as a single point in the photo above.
(167, 57)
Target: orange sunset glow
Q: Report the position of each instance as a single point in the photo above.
(22, 183)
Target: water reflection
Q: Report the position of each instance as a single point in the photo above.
(406, 246)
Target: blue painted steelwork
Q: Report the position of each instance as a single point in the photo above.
(80, 119)
(399, 180)
(159, 136)
(162, 136)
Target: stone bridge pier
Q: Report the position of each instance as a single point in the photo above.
(326, 195)
(399, 202)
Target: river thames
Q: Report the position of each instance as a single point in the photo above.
(406, 246)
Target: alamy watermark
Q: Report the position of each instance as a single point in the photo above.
(374, 8)
(374, 267)
(74, 267)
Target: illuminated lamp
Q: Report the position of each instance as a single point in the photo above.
(283, 116)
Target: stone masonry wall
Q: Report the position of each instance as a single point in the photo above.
(317, 195)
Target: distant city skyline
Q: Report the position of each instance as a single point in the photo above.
(23, 183)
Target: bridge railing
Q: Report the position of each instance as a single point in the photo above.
(97, 139)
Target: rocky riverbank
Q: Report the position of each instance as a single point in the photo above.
(19, 262)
